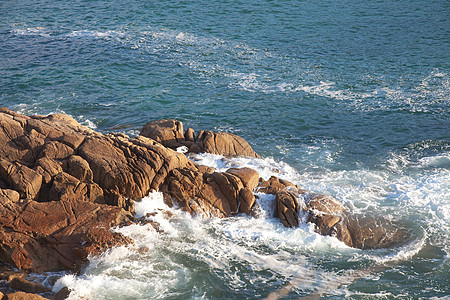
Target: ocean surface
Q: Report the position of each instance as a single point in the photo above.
(345, 98)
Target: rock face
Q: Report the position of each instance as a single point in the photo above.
(170, 134)
(210, 194)
(62, 186)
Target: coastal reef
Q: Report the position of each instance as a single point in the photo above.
(64, 186)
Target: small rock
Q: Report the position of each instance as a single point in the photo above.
(21, 284)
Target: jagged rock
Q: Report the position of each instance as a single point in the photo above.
(79, 168)
(23, 296)
(246, 201)
(249, 177)
(63, 186)
(287, 207)
(209, 194)
(167, 132)
(51, 236)
(19, 177)
(274, 185)
(331, 218)
(21, 284)
(66, 187)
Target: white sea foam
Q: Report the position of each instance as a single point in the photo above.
(96, 34)
(32, 31)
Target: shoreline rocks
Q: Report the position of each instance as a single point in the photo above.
(63, 187)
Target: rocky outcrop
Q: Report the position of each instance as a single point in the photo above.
(331, 218)
(62, 186)
(170, 134)
(211, 194)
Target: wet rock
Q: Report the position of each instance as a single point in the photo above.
(273, 185)
(21, 284)
(369, 232)
(62, 294)
(8, 274)
(246, 201)
(287, 207)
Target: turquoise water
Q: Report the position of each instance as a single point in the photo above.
(348, 98)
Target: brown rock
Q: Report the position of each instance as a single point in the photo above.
(62, 294)
(324, 204)
(195, 148)
(23, 296)
(79, 168)
(48, 168)
(368, 232)
(21, 284)
(9, 275)
(223, 143)
(189, 135)
(52, 236)
(66, 187)
(7, 195)
(273, 185)
(208, 194)
(230, 186)
(287, 207)
(56, 150)
(246, 200)
(167, 132)
(19, 177)
(249, 177)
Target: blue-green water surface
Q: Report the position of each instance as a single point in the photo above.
(353, 95)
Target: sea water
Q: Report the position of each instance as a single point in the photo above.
(345, 98)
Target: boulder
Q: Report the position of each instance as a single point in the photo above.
(208, 194)
(273, 185)
(167, 132)
(287, 207)
(223, 143)
(249, 177)
(27, 182)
